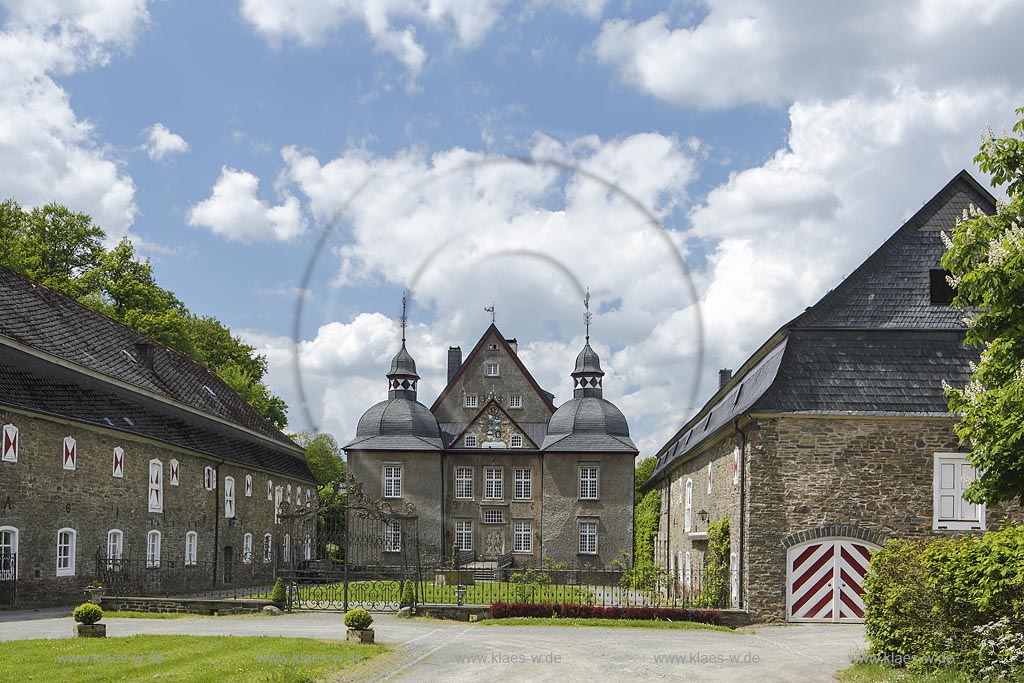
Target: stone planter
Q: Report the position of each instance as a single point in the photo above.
(356, 635)
(95, 595)
(90, 630)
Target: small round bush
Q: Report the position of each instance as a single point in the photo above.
(358, 619)
(87, 613)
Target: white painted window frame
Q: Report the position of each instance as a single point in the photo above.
(229, 497)
(153, 542)
(392, 484)
(155, 489)
(587, 536)
(66, 551)
(523, 489)
(688, 507)
(13, 531)
(522, 530)
(589, 479)
(494, 483)
(464, 532)
(191, 548)
(247, 548)
(463, 483)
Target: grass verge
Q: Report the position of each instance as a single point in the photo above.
(864, 672)
(605, 623)
(181, 659)
(114, 614)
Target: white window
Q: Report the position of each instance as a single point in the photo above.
(491, 370)
(393, 536)
(270, 490)
(392, 481)
(588, 537)
(464, 483)
(516, 441)
(191, 548)
(494, 517)
(298, 495)
(229, 497)
(153, 549)
(286, 548)
(248, 486)
(308, 548)
(115, 548)
(209, 478)
(173, 473)
(688, 509)
(10, 450)
(268, 548)
(156, 486)
(278, 499)
(736, 466)
(8, 551)
(734, 579)
(70, 457)
(515, 401)
(524, 484)
(309, 497)
(118, 464)
(247, 549)
(288, 496)
(588, 482)
(492, 483)
(470, 441)
(688, 573)
(522, 537)
(471, 400)
(953, 475)
(464, 534)
(709, 478)
(66, 541)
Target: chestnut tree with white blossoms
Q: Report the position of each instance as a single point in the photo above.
(985, 259)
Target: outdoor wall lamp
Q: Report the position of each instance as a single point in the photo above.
(703, 515)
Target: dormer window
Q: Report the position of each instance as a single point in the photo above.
(942, 292)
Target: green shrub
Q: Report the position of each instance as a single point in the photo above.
(358, 619)
(278, 595)
(87, 613)
(647, 515)
(408, 593)
(715, 584)
(527, 584)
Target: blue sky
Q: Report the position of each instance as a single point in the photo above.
(778, 143)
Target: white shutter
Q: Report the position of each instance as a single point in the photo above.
(10, 450)
(174, 473)
(118, 467)
(156, 486)
(953, 476)
(688, 510)
(229, 497)
(70, 453)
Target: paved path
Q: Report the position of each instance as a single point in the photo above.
(455, 652)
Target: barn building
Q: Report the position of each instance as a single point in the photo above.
(832, 437)
(124, 460)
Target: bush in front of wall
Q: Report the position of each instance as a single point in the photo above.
(87, 613)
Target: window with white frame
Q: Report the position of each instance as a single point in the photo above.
(66, 542)
(191, 548)
(469, 441)
(494, 517)
(392, 481)
(229, 497)
(393, 536)
(464, 534)
(156, 486)
(470, 401)
(153, 549)
(688, 507)
(115, 548)
(278, 499)
(588, 482)
(247, 549)
(268, 547)
(688, 573)
(8, 551)
(524, 483)
(953, 476)
(493, 483)
(491, 369)
(516, 441)
(464, 483)
(248, 486)
(522, 537)
(588, 536)
(736, 466)
(209, 478)
(515, 401)
(10, 449)
(709, 478)
(270, 489)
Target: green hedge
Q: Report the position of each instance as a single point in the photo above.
(925, 600)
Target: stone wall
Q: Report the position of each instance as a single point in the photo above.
(183, 605)
(38, 497)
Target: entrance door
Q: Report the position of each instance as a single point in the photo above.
(825, 580)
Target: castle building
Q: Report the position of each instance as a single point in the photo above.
(494, 469)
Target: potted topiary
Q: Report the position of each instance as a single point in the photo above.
(358, 621)
(87, 614)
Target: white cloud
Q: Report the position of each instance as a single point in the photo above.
(761, 51)
(235, 212)
(162, 143)
(46, 152)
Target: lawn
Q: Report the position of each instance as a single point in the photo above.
(180, 659)
(113, 614)
(883, 673)
(604, 623)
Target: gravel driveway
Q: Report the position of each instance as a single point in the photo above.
(456, 652)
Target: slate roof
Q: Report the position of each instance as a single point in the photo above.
(874, 345)
(35, 316)
(397, 424)
(588, 424)
(33, 384)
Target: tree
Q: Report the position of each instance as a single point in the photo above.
(641, 474)
(985, 259)
(323, 455)
(646, 513)
(256, 394)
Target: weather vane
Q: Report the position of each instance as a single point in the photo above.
(490, 309)
(404, 320)
(588, 316)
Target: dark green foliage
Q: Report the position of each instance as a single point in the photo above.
(87, 613)
(323, 455)
(358, 619)
(278, 595)
(715, 588)
(646, 517)
(641, 473)
(408, 593)
(528, 583)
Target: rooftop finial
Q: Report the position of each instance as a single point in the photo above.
(588, 316)
(404, 320)
(494, 316)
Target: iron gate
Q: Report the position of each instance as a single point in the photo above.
(356, 552)
(8, 578)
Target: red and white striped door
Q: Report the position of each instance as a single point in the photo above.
(825, 580)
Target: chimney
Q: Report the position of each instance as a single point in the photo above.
(514, 343)
(724, 375)
(144, 353)
(454, 361)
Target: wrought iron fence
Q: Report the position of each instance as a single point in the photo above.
(8, 578)
(247, 577)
